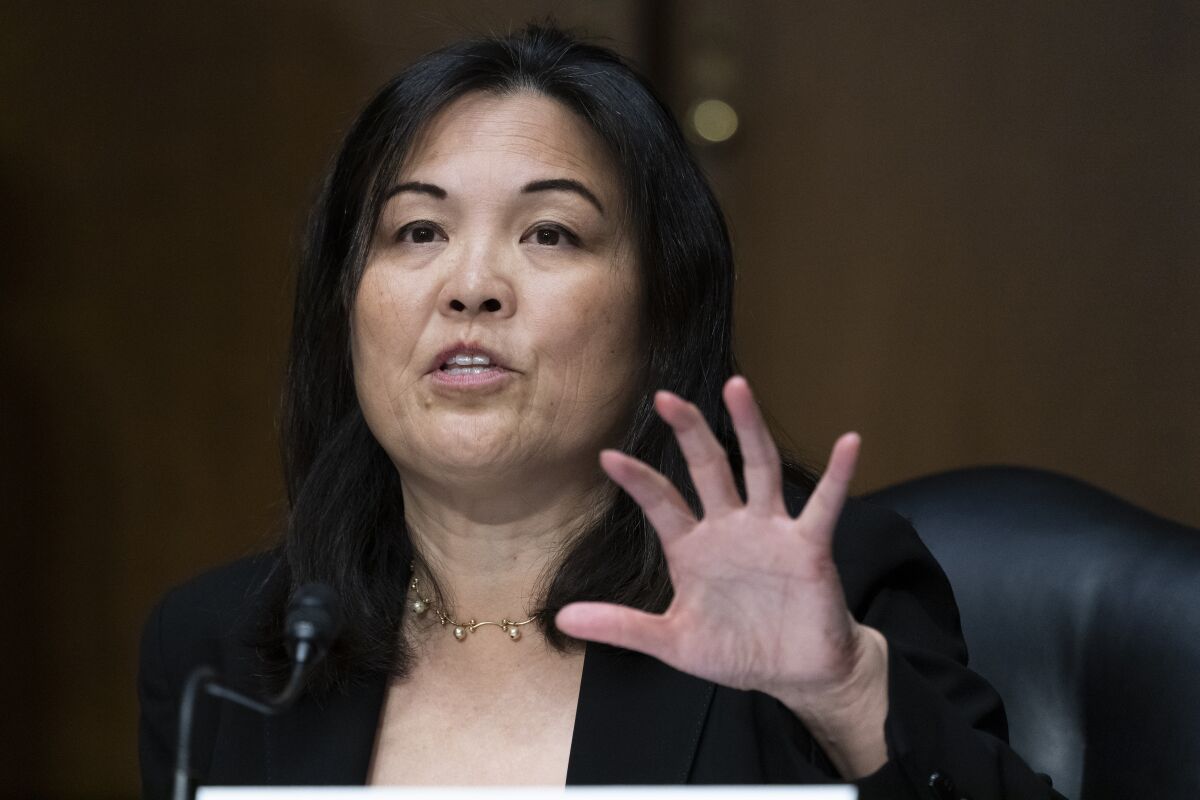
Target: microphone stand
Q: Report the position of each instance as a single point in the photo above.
(312, 623)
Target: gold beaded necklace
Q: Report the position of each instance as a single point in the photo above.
(422, 604)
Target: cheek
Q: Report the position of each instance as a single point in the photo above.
(385, 329)
(620, 318)
(594, 334)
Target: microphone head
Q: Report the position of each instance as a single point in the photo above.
(314, 617)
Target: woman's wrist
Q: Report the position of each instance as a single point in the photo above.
(847, 718)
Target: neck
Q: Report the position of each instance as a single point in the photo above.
(488, 544)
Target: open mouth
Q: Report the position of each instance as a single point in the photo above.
(469, 368)
(468, 365)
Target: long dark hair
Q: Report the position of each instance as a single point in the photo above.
(346, 519)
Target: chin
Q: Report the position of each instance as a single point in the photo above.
(466, 452)
(495, 460)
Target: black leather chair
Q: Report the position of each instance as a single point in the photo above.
(1084, 612)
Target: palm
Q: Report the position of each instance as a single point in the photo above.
(746, 595)
(758, 604)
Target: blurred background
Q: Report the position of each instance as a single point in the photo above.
(968, 231)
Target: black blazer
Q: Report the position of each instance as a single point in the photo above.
(637, 722)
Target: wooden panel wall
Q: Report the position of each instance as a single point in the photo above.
(967, 231)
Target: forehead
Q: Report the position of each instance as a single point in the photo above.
(521, 135)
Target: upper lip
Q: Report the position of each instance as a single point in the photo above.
(466, 348)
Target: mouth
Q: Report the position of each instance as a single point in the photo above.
(466, 356)
(467, 364)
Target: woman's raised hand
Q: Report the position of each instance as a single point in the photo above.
(758, 603)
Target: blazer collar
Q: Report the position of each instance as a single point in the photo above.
(327, 742)
(638, 722)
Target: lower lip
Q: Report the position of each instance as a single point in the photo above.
(491, 376)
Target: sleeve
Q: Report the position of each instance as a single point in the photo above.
(945, 730)
(158, 699)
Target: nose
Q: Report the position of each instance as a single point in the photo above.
(491, 304)
(478, 286)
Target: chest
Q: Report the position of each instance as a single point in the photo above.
(450, 725)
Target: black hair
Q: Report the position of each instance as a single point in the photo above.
(345, 525)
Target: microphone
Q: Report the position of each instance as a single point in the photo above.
(311, 625)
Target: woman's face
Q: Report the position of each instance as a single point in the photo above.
(496, 330)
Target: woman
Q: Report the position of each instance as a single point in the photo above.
(515, 276)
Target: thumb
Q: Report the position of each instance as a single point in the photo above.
(616, 625)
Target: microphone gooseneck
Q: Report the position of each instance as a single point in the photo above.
(311, 625)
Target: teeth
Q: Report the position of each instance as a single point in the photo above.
(463, 360)
(466, 370)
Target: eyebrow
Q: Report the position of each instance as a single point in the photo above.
(547, 185)
(564, 185)
(419, 188)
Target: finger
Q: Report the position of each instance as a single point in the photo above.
(760, 456)
(658, 498)
(708, 464)
(619, 626)
(821, 512)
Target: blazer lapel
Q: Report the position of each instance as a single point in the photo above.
(638, 721)
(325, 743)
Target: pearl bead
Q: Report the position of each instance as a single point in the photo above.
(514, 632)
(419, 606)
(460, 632)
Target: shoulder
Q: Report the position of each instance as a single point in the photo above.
(210, 615)
(874, 546)
(891, 580)
(221, 598)
(234, 580)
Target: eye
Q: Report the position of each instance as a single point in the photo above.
(548, 235)
(420, 232)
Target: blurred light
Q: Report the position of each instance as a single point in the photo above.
(714, 120)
